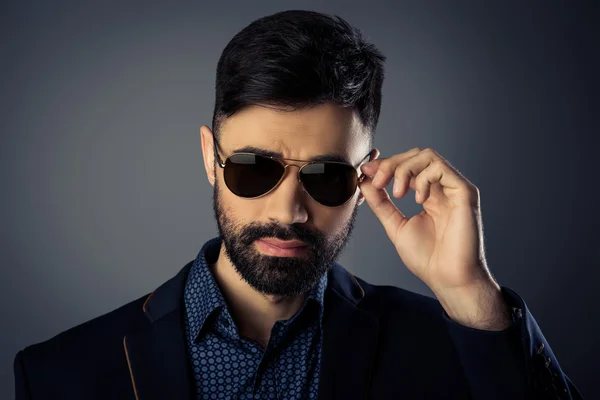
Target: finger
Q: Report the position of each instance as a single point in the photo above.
(406, 172)
(390, 216)
(430, 175)
(370, 168)
(373, 160)
(412, 167)
(386, 167)
(438, 172)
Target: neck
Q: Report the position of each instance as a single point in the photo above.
(253, 312)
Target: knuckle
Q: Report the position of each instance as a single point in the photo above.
(473, 195)
(471, 191)
(464, 186)
(439, 163)
(403, 170)
(385, 166)
(399, 173)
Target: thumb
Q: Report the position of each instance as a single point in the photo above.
(386, 211)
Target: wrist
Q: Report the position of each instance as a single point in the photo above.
(480, 306)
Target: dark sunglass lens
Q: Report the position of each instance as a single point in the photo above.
(249, 175)
(330, 184)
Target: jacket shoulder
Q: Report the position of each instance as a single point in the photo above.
(89, 354)
(114, 323)
(92, 336)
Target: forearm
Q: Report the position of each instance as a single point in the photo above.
(480, 306)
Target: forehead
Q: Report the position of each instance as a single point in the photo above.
(300, 134)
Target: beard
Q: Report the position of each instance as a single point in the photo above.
(279, 276)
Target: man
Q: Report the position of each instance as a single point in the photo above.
(264, 311)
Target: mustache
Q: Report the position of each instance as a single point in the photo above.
(255, 231)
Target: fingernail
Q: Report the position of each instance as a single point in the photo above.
(396, 189)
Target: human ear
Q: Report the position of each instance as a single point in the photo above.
(372, 156)
(206, 139)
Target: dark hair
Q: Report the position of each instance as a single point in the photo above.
(297, 59)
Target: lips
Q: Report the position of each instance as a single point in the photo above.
(284, 244)
(281, 248)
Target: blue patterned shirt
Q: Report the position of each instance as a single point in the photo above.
(229, 366)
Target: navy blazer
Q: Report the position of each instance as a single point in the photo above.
(380, 342)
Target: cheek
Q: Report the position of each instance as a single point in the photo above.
(332, 220)
(241, 210)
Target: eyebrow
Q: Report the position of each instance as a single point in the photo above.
(269, 153)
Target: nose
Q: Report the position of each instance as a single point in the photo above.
(287, 202)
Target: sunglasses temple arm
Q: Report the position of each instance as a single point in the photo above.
(217, 156)
(362, 175)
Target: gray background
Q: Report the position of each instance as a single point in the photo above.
(104, 194)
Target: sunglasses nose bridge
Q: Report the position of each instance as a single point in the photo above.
(297, 175)
(285, 167)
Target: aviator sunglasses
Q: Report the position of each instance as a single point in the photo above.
(251, 175)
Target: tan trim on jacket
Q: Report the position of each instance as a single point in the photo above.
(130, 370)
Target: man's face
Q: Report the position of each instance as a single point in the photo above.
(287, 212)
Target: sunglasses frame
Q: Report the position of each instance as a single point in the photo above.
(359, 179)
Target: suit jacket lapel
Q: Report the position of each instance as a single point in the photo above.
(349, 340)
(157, 355)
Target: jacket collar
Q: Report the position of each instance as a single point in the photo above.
(158, 360)
(167, 297)
(157, 354)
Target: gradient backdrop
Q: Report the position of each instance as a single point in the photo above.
(104, 194)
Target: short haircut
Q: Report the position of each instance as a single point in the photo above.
(298, 59)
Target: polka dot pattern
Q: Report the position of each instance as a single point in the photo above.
(229, 366)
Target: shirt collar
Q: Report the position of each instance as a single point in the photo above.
(317, 293)
(203, 297)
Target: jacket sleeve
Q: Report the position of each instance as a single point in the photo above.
(516, 363)
(21, 385)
